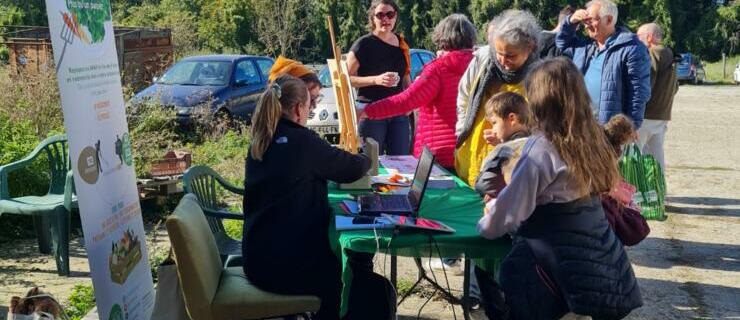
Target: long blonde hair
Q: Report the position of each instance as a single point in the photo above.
(561, 108)
(279, 98)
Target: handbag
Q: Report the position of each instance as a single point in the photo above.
(168, 302)
(627, 222)
(643, 172)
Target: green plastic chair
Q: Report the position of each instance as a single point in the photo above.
(51, 212)
(202, 181)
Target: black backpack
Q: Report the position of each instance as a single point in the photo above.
(371, 297)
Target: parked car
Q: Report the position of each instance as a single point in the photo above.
(736, 75)
(690, 70)
(324, 120)
(229, 85)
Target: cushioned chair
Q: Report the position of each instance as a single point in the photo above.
(211, 291)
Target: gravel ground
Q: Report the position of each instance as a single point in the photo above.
(688, 268)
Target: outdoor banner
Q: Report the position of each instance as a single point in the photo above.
(100, 151)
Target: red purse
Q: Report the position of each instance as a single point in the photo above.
(627, 222)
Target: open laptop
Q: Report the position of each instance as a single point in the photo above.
(401, 204)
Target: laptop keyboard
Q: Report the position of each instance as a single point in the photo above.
(386, 202)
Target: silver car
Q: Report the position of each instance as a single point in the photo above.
(324, 120)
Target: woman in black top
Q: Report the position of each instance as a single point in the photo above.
(379, 67)
(286, 208)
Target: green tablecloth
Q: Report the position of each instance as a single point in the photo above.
(459, 208)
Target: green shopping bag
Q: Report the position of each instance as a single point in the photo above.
(643, 172)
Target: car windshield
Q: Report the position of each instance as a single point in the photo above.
(198, 73)
(324, 77)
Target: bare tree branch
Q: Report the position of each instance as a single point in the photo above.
(282, 24)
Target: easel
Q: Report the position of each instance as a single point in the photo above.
(349, 138)
(348, 134)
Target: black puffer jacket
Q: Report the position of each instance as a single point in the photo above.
(589, 265)
(286, 206)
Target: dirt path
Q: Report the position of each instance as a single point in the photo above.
(689, 267)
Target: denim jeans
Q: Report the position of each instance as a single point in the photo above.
(393, 134)
(474, 288)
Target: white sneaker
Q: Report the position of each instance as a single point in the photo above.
(439, 265)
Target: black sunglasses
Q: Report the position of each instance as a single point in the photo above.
(388, 14)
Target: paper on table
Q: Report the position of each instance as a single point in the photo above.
(406, 165)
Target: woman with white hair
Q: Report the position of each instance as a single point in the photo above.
(513, 39)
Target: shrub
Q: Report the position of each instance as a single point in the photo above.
(81, 301)
(152, 130)
(33, 98)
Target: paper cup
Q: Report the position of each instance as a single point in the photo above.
(396, 78)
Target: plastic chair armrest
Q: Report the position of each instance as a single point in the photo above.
(10, 167)
(229, 186)
(223, 214)
(69, 190)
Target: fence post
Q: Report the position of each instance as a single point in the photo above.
(724, 66)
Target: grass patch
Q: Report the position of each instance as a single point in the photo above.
(714, 70)
(233, 228)
(81, 301)
(404, 285)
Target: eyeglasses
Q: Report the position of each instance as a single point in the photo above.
(388, 14)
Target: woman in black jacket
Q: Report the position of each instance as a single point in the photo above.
(286, 227)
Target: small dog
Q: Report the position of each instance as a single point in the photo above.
(36, 301)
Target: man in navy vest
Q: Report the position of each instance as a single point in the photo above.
(615, 64)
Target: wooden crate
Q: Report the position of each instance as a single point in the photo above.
(173, 163)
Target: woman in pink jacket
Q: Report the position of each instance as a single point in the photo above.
(434, 92)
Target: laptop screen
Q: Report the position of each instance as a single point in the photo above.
(421, 176)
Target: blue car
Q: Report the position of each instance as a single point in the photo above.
(225, 85)
(690, 70)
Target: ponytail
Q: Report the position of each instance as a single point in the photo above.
(278, 98)
(265, 120)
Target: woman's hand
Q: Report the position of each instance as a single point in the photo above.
(388, 79)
